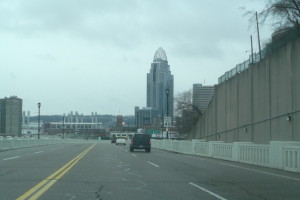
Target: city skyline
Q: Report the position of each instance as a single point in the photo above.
(93, 55)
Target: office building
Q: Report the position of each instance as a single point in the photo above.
(160, 81)
(147, 116)
(202, 96)
(11, 116)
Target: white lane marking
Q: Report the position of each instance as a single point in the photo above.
(133, 155)
(10, 158)
(262, 172)
(155, 165)
(205, 190)
(39, 152)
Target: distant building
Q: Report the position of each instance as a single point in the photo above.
(11, 116)
(29, 127)
(75, 129)
(146, 116)
(202, 96)
(120, 120)
(26, 119)
(159, 81)
(32, 128)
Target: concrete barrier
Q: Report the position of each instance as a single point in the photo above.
(187, 147)
(277, 154)
(222, 151)
(291, 158)
(254, 154)
(202, 148)
(15, 143)
(176, 146)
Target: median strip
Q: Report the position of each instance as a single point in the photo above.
(44, 185)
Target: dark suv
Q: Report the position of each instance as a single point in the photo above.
(141, 141)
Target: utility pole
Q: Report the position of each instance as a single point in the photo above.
(162, 123)
(63, 118)
(258, 36)
(137, 120)
(167, 93)
(252, 50)
(39, 106)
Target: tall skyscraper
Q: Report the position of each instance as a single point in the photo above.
(160, 81)
(11, 116)
(202, 96)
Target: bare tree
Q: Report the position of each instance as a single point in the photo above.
(187, 113)
(284, 13)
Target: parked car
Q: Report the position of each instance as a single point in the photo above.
(120, 141)
(141, 141)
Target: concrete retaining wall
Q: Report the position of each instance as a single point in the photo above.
(255, 105)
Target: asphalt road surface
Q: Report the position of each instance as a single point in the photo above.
(106, 171)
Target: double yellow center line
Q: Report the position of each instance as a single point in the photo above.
(44, 185)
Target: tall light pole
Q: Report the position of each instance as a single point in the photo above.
(252, 50)
(39, 106)
(63, 118)
(137, 120)
(162, 123)
(167, 93)
(258, 35)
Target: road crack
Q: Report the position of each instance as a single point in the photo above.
(98, 193)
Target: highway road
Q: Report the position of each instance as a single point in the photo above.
(104, 171)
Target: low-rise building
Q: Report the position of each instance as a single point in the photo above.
(202, 96)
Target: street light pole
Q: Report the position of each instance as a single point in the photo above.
(167, 93)
(63, 118)
(39, 106)
(137, 120)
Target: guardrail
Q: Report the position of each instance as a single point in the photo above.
(276, 154)
(15, 143)
(291, 158)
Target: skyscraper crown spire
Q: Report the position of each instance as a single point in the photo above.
(160, 56)
(160, 85)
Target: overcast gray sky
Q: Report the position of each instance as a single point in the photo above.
(93, 55)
